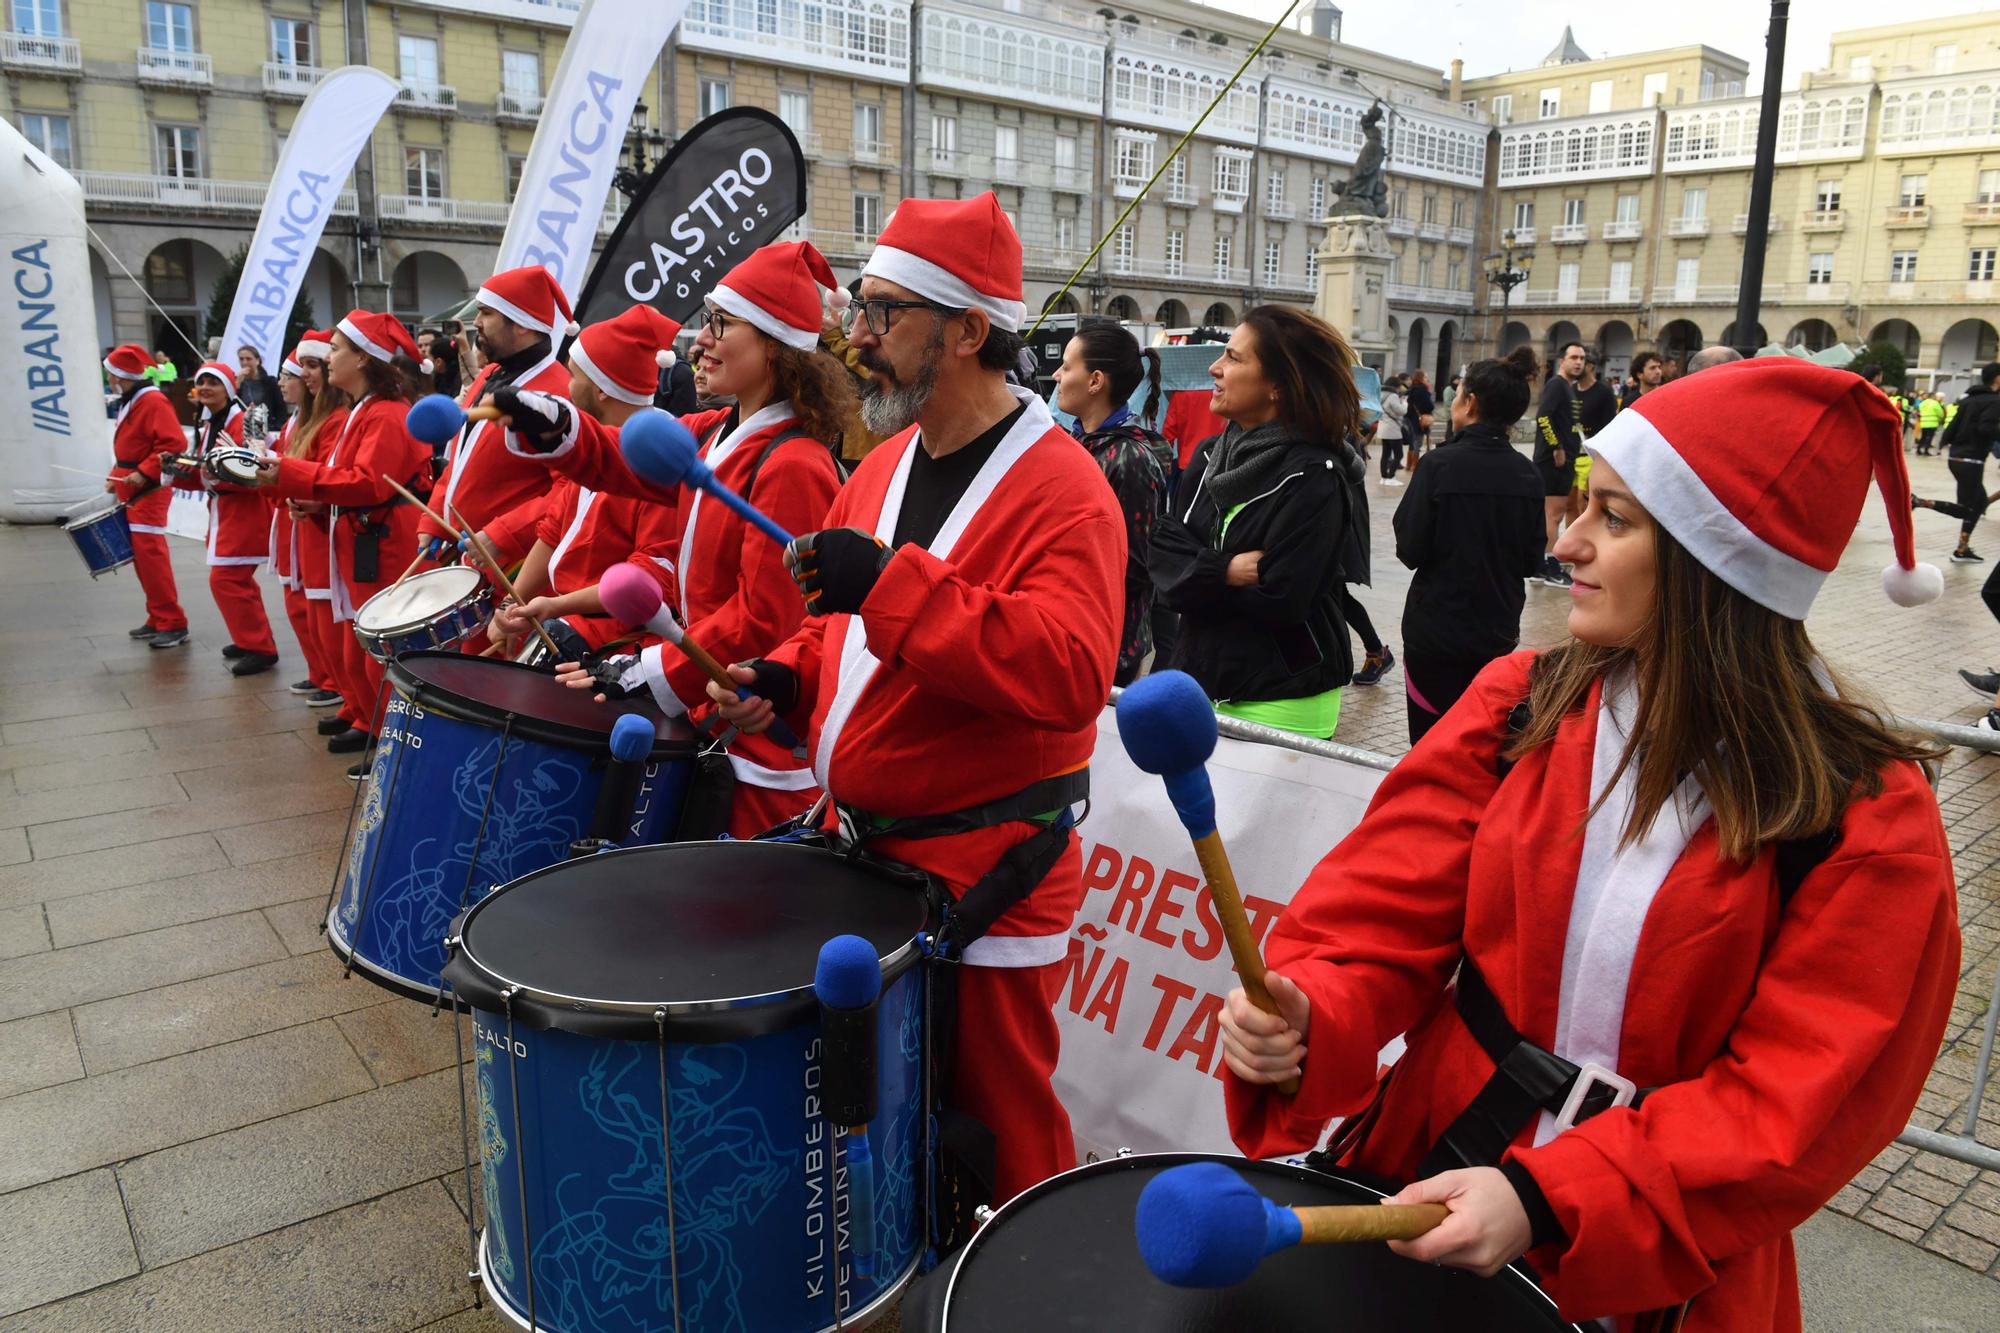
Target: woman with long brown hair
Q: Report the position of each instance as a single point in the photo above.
(1249, 553)
(307, 399)
(1666, 912)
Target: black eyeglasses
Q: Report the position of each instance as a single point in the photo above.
(717, 321)
(878, 308)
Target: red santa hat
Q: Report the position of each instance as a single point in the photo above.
(129, 362)
(782, 289)
(383, 337)
(1760, 468)
(957, 252)
(315, 344)
(532, 298)
(291, 366)
(623, 356)
(221, 374)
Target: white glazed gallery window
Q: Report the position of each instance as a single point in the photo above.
(1600, 96)
(1318, 196)
(1454, 275)
(1627, 208)
(1572, 212)
(1232, 174)
(517, 164)
(1819, 269)
(1312, 264)
(1135, 157)
(1424, 271)
(1065, 233)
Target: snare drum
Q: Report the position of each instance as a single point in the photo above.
(1064, 1255)
(484, 772)
(236, 467)
(103, 536)
(431, 610)
(607, 988)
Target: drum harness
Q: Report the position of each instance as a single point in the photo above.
(1528, 1079)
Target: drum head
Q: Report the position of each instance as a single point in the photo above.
(1065, 1255)
(721, 936)
(235, 465)
(528, 702)
(90, 511)
(417, 598)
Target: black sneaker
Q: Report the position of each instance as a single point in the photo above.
(145, 631)
(1991, 722)
(168, 638)
(1967, 556)
(253, 664)
(303, 687)
(359, 772)
(322, 698)
(231, 652)
(1555, 575)
(1986, 686)
(333, 726)
(351, 741)
(1375, 667)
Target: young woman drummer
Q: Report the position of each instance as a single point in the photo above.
(315, 426)
(285, 543)
(239, 526)
(373, 532)
(1697, 896)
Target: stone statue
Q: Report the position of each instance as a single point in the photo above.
(1365, 192)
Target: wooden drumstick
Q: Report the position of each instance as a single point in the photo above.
(1340, 1223)
(478, 542)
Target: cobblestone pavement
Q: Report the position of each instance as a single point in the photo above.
(204, 1127)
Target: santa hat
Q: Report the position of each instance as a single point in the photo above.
(292, 367)
(784, 290)
(531, 297)
(957, 252)
(221, 374)
(315, 344)
(1769, 511)
(129, 362)
(383, 337)
(624, 356)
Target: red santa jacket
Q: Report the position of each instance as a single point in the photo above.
(283, 537)
(734, 594)
(239, 517)
(1787, 1047)
(372, 447)
(481, 479)
(977, 666)
(587, 533)
(146, 425)
(311, 542)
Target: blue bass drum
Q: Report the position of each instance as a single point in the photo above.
(609, 987)
(103, 537)
(485, 771)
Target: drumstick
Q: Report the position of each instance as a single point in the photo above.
(1168, 728)
(1203, 1225)
(81, 471)
(479, 542)
(411, 570)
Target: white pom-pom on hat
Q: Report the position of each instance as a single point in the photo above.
(427, 365)
(1913, 587)
(573, 328)
(664, 358)
(838, 299)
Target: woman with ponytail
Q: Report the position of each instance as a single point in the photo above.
(284, 543)
(322, 411)
(1471, 527)
(1102, 367)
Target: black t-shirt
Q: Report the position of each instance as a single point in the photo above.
(936, 484)
(1595, 408)
(1555, 422)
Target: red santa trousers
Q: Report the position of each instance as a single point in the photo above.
(360, 677)
(241, 602)
(298, 610)
(326, 638)
(152, 562)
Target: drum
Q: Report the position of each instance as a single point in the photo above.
(607, 988)
(103, 536)
(484, 772)
(237, 467)
(1064, 1255)
(431, 610)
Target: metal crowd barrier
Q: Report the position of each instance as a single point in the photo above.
(1963, 1146)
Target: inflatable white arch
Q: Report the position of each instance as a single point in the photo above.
(51, 391)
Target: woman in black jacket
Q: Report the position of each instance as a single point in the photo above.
(1471, 527)
(1250, 553)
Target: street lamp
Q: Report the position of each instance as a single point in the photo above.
(1508, 270)
(630, 178)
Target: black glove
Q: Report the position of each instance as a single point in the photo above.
(540, 421)
(610, 674)
(779, 684)
(836, 568)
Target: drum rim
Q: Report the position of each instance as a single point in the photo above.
(77, 522)
(894, 965)
(481, 590)
(1128, 1161)
(218, 461)
(677, 744)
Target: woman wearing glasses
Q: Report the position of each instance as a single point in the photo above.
(758, 346)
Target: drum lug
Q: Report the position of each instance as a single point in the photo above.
(1124, 1152)
(981, 1215)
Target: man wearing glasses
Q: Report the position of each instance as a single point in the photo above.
(965, 602)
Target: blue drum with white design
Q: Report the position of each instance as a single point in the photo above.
(485, 771)
(681, 977)
(103, 537)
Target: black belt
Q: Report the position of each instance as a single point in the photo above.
(1526, 1081)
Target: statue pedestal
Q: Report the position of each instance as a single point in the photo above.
(1353, 292)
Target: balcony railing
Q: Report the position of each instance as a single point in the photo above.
(1931, 291)
(1431, 231)
(180, 68)
(1402, 226)
(1687, 226)
(437, 98)
(1279, 211)
(1230, 203)
(20, 50)
(1569, 233)
(1290, 282)
(1983, 212)
(518, 106)
(1909, 215)
(1721, 293)
(442, 211)
(283, 80)
(1805, 293)
(1741, 224)
(1576, 296)
(1184, 195)
(1522, 236)
(1624, 231)
(1404, 293)
(947, 162)
(180, 193)
(1074, 180)
(1051, 257)
(1197, 273)
(1460, 236)
(1824, 219)
(870, 153)
(844, 244)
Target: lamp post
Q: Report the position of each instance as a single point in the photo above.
(1508, 270)
(630, 178)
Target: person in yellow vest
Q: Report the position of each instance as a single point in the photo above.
(1930, 415)
(1902, 413)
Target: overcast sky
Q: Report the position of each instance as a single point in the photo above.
(1516, 34)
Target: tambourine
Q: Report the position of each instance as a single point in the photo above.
(235, 467)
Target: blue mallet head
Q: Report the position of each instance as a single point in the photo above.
(631, 738)
(1168, 728)
(1203, 1225)
(661, 450)
(849, 974)
(435, 419)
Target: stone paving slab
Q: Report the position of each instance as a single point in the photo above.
(14, 847)
(101, 798)
(117, 719)
(71, 749)
(23, 930)
(402, 1039)
(63, 1237)
(38, 1052)
(298, 924)
(96, 832)
(43, 982)
(88, 917)
(51, 878)
(145, 764)
(254, 844)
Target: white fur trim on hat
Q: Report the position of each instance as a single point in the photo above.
(732, 303)
(605, 384)
(314, 348)
(928, 280)
(292, 368)
(1679, 501)
(364, 342)
(486, 296)
(1913, 587)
